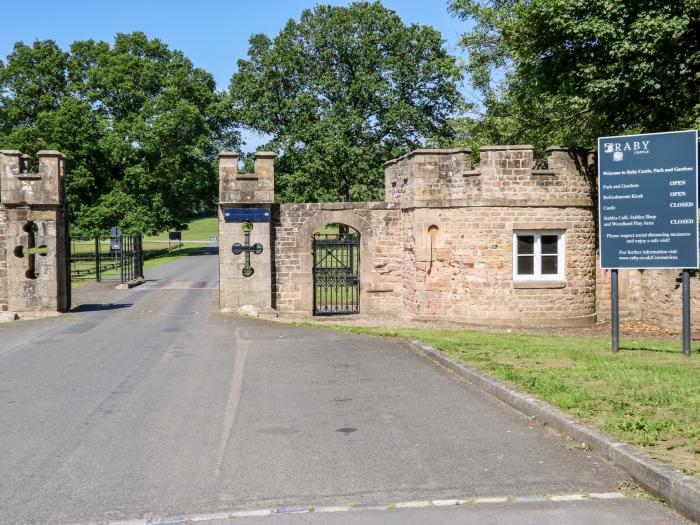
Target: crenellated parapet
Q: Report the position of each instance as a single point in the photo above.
(19, 186)
(240, 188)
(426, 175)
(505, 176)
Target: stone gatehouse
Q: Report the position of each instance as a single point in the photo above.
(502, 242)
(508, 241)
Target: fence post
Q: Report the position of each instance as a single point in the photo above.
(98, 263)
(139, 255)
(121, 259)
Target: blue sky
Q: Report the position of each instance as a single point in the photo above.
(212, 33)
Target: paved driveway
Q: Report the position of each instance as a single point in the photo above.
(148, 402)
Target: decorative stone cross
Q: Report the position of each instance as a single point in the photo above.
(256, 248)
(31, 251)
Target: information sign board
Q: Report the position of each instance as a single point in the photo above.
(648, 200)
(115, 239)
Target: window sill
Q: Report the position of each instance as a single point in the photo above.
(532, 284)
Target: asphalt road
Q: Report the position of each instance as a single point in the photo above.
(149, 402)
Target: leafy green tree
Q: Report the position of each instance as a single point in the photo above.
(141, 126)
(342, 90)
(567, 71)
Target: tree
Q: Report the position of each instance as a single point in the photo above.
(140, 124)
(341, 91)
(567, 71)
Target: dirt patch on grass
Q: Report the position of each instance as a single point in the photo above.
(641, 330)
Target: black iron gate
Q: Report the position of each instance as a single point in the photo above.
(336, 273)
(131, 258)
(99, 259)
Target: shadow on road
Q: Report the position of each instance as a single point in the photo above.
(100, 307)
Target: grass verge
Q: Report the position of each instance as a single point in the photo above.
(647, 395)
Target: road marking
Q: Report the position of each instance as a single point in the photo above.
(499, 499)
(291, 510)
(413, 504)
(569, 497)
(359, 507)
(451, 502)
(529, 499)
(605, 495)
(241, 349)
(339, 508)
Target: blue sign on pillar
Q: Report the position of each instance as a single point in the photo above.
(247, 214)
(648, 200)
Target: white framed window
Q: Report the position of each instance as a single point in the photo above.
(539, 255)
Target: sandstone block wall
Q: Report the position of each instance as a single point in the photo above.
(506, 175)
(649, 295)
(469, 276)
(381, 252)
(441, 247)
(42, 188)
(429, 175)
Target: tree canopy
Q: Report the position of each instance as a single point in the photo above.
(567, 71)
(341, 91)
(141, 126)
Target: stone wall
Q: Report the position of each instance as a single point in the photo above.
(649, 295)
(506, 175)
(459, 222)
(381, 254)
(468, 274)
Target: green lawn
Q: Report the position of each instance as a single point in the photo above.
(198, 230)
(647, 395)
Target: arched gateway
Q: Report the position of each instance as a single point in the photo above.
(336, 270)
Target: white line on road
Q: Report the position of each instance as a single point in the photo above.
(508, 500)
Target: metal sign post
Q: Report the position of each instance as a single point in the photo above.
(686, 312)
(614, 311)
(648, 206)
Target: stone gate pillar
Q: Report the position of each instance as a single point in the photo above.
(36, 234)
(245, 241)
